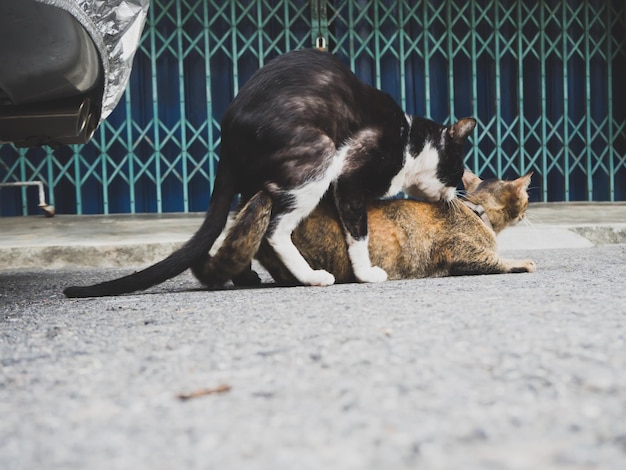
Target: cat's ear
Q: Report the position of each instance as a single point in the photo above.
(459, 131)
(521, 184)
(470, 181)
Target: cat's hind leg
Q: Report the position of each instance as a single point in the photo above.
(304, 200)
(232, 259)
(292, 206)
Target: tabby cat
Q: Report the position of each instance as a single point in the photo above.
(304, 126)
(408, 238)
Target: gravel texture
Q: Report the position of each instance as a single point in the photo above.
(519, 371)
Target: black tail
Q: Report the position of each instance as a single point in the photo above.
(181, 259)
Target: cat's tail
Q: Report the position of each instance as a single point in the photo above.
(196, 248)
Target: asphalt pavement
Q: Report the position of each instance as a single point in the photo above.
(517, 371)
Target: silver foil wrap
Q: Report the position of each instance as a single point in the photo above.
(115, 27)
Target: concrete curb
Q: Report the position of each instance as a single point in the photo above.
(548, 237)
(132, 255)
(602, 234)
(140, 240)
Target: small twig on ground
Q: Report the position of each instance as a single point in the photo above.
(223, 388)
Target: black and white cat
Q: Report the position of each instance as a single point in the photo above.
(304, 124)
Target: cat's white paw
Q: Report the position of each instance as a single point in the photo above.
(372, 274)
(319, 277)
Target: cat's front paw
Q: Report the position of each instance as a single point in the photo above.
(530, 266)
(319, 277)
(524, 266)
(372, 274)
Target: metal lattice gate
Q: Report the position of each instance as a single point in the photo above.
(543, 78)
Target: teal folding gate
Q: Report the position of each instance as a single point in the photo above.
(544, 78)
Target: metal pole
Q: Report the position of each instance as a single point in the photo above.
(46, 208)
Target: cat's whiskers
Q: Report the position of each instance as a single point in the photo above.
(462, 195)
(459, 203)
(453, 205)
(527, 222)
(530, 217)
